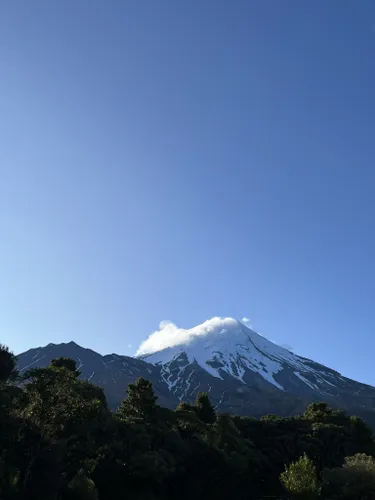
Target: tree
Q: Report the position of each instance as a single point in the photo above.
(183, 407)
(8, 371)
(300, 479)
(71, 420)
(81, 488)
(59, 403)
(140, 403)
(204, 408)
(67, 363)
(10, 428)
(336, 435)
(355, 480)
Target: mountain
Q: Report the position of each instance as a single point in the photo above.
(112, 372)
(243, 373)
(247, 374)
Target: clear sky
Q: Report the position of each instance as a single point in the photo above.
(178, 160)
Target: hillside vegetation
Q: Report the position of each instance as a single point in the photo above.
(60, 441)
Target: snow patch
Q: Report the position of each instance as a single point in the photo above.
(31, 364)
(307, 382)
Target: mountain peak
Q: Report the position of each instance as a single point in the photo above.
(225, 346)
(218, 332)
(170, 336)
(72, 344)
(214, 329)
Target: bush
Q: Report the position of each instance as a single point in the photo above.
(82, 488)
(300, 479)
(355, 480)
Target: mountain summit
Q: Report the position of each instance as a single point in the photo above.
(242, 371)
(226, 345)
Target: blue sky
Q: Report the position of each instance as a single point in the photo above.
(178, 160)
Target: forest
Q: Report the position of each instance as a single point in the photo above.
(60, 441)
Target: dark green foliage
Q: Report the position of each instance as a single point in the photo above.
(355, 480)
(183, 407)
(59, 441)
(81, 488)
(140, 403)
(8, 370)
(204, 408)
(67, 363)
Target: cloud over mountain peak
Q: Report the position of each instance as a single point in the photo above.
(170, 335)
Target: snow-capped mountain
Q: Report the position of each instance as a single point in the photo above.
(226, 345)
(229, 360)
(243, 372)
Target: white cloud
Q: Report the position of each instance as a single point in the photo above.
(169, 335)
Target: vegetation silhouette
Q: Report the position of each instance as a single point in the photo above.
(60, 441)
